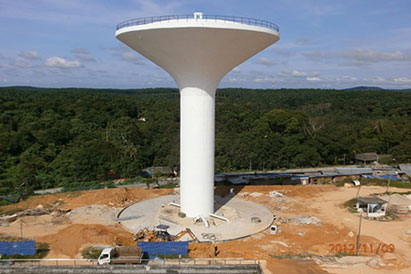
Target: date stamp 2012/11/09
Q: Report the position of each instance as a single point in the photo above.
(362, 248)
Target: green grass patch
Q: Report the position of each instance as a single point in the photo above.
(391, 193)
(350, 205)
(91, 252)
(170, 185)
(131, 181)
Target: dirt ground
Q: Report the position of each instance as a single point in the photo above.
(300, 246)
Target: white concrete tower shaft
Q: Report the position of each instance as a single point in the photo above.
(197, 52)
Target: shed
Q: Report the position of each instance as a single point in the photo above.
(406, 169)
(374, 206)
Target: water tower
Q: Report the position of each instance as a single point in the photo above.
(197, 51)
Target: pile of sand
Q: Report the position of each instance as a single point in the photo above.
(69, 241)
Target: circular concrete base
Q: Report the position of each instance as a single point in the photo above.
(245, 218)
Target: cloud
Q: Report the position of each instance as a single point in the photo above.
(132, 57)
(79, 12)
(293, 73)
(263, 79)
(284, 52)
(22, 62)
(265, 61)
(233, 80)
(312, 79)
(83, 55)
(303, 41)
(402, 80)
(26, 58)
(360, 56)
(58, 62)
(297, 73)
(375, 80)
(124, 53)
(346, 78)
(30, 54)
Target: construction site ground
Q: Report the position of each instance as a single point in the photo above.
(311, 221)
(239, 213)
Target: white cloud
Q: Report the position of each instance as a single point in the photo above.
(313, 79)
(83, 55)
(265, 61)
(58, 62)
(346, 78)
(360, 56)
(30, 54)
(284, 52)
(297, 73)
(402, 80)
(22, 62)
(233, 80)
(263, 79)
(26, 58)
(376, 79)
(132, 57)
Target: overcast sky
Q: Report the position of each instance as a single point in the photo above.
(324, 44)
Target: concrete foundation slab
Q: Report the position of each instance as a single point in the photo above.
(245, 218)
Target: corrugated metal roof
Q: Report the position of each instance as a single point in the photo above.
(330, 173)
(354, 171)
(406, 169)
(371, 200)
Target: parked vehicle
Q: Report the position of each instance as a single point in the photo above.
(121, 255)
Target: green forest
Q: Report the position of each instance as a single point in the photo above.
(55, 137)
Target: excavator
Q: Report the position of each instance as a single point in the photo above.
(161, 235)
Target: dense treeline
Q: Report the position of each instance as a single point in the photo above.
(50, 137)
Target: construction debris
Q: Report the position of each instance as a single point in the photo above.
(274, 194)
(161, 235)
(304, 220)
(33, 212)
(256, 220)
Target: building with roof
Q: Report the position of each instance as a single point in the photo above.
(374, 206)
(405, 169)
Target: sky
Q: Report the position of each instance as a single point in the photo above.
(323, 44)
